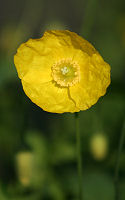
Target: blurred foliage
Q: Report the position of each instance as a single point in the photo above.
(37, 149)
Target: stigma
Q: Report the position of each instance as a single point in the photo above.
(64, 70)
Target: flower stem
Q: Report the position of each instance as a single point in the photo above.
(79, 158)
(117, 167)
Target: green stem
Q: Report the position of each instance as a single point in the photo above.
(79, 158)
(117, 167)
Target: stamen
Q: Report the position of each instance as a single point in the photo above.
(66, 72)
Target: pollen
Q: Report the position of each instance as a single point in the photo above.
(66, 72)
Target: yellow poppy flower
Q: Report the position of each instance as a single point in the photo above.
(62, 72)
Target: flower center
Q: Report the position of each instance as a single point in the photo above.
(66, 72)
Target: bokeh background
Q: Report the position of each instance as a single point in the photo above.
(38, 149)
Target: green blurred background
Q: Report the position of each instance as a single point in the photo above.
(38, 149)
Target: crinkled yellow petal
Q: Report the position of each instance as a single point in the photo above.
(33, 55)
(66, 44)
(37, 76)
(69, 39)
(94, 80)
(50, 97)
